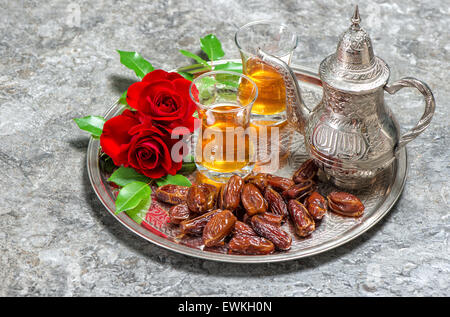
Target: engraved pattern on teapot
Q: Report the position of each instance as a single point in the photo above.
(349, 105)
(360, 73)
(354, 42)
(341, 144)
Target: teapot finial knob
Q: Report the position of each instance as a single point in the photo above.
(354, 66)
(356, 18)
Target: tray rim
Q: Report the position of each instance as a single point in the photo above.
(357, 230)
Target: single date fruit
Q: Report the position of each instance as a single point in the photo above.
(252, 200)
(241, 228)
(276, 203)
(306, 171)
(316, 205)
(269, 217)
(201, 197)
(281, 239)
(220, 226)
(299, 191)
(280, 184)
(196, 225)
(230, 196)
(260, 180)
(250, 245)
(172, 194)
(179, 213)
(303, 222)
(345, 204)
(272, 218)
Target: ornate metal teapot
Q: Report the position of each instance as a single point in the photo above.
(351, 134)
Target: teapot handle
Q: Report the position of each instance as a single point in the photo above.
(430, 105)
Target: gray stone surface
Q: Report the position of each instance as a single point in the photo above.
(57, 239)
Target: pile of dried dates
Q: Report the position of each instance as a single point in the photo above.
(247, 214)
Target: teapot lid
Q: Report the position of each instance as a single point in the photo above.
(354, 67)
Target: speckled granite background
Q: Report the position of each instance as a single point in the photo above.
(57, 239)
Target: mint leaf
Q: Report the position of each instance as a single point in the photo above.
(211, 45)
(230, 66)
(186, 75)
(131, 195)
(138, 213)
(135, 62)
(123, 99)
(91, 124)
(125, 175)
(197, 58)
(173, 179)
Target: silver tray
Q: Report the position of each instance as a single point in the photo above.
(333, 231)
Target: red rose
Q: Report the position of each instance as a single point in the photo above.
(165, 98)
(132, 140)
(150, 153)
(115, 139)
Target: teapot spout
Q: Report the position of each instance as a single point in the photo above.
(297, 112)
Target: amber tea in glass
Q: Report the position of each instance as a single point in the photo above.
(276, 39)
(224, 146)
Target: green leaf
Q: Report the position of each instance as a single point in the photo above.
(194, 68)
(138, 213)
(186, 75)
(173, 179)
(125, 175)
(230, 66)
(123, 99)
(135, 62)
(211, 45)
(92, 124)
(131, 195)
(197, 58)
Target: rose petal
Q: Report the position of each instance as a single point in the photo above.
(155, 173)
(157, 74)
(153, 160)
(148, 93)
(166, 160)
(172, 76)
(170, 112)
(145, 123)
(182, 86)
(115, 138)
(134, 94)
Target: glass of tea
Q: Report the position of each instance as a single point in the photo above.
(224, 143)
(276, 39)
(269, 111)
